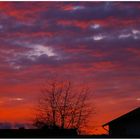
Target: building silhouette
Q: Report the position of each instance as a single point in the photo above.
(127, 125)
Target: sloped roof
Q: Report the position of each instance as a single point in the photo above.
(127, 115)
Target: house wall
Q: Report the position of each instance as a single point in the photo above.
(133, 129)
(116, 130)
(119, 129)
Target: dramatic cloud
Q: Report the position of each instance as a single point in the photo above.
(92, 42)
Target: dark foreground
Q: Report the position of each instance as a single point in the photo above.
(35, 133)
(38, 133)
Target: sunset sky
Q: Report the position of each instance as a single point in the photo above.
(97, 43)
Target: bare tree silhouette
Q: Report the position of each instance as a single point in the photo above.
(63, 105)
